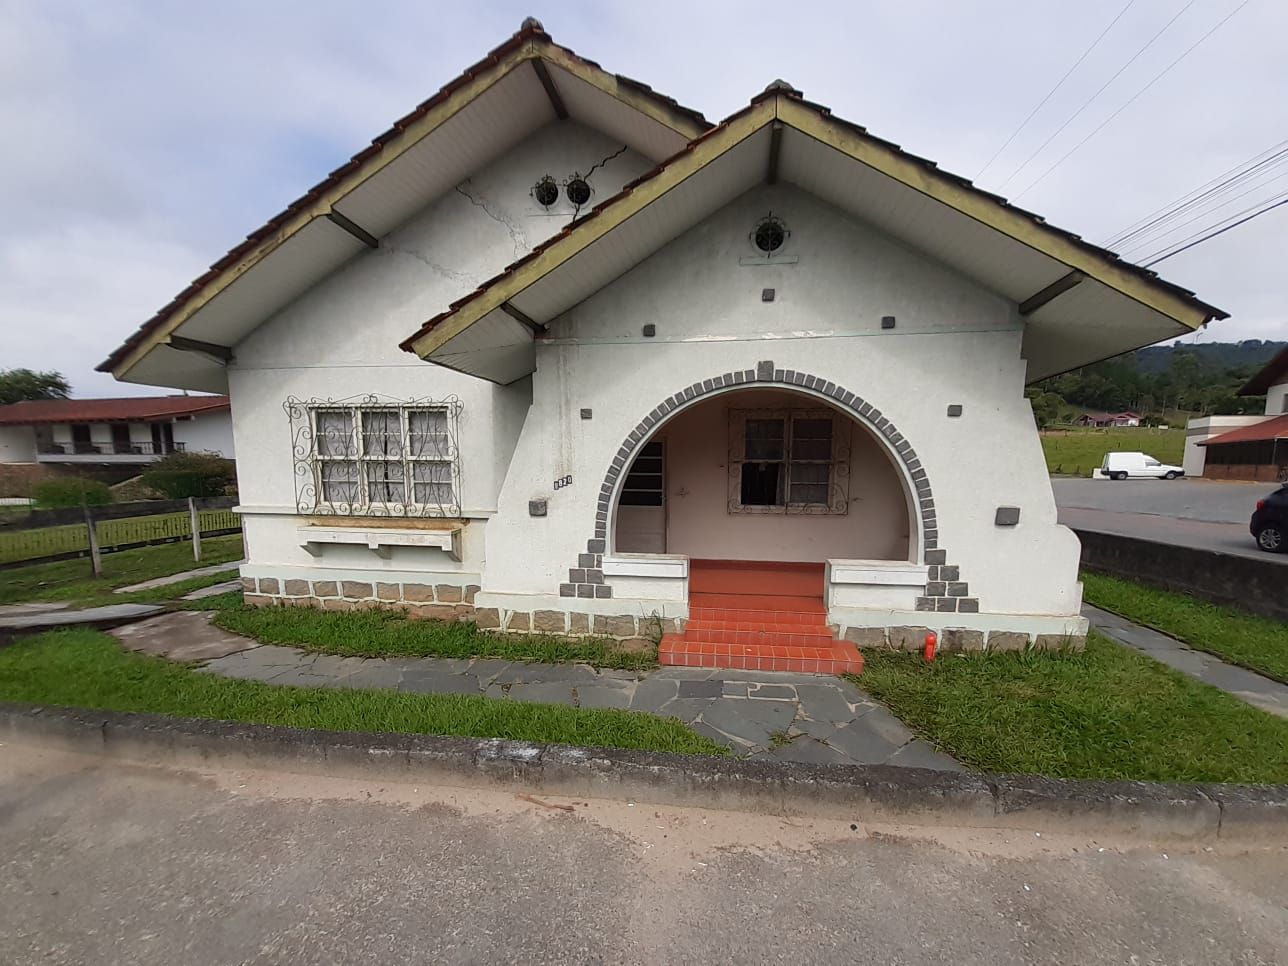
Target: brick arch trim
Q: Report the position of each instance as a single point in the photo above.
(944, 589)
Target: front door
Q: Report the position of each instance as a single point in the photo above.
(641, 512)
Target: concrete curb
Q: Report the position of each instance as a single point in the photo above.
(880, 793)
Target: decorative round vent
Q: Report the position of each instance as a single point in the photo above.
(578, 190)
(546, 191)
(770, 234)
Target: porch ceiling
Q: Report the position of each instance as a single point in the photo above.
(1111, 307)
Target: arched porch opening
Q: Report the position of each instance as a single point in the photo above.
(765, 474)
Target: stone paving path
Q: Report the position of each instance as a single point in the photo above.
(792, 717)
(180, 578)
(33, 619)
(1261, 692)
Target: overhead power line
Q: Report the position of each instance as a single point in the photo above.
(1156, 258)
(1060, 83)
(1272, 156)
(1087, 103)
(1157, 77)
(1153, 238)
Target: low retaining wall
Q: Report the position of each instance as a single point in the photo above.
(870, 793)
(1245, 583)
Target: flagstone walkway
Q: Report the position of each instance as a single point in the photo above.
(761, 714)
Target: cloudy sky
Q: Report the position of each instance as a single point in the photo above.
(143, 140)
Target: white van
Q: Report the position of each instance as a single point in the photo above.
(1121, 466)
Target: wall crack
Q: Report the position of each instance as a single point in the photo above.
(517, 238)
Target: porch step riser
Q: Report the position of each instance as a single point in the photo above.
(756, 618)
(799, 636)
(833, 657)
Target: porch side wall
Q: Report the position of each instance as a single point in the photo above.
(954, 344)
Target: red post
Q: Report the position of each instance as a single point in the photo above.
(932, 643)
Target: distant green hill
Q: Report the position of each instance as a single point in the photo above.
(1160, 380)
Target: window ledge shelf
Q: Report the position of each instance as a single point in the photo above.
(380, 541)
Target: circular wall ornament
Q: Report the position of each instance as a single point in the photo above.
(770, 234)
(578, 190)
(546, 191)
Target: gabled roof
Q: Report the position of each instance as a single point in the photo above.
(1276, 428)
(519, 86)
(1274, 373)
(125, 409)
(1081, 302)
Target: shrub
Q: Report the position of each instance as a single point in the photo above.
(69, 491)
(182, 475)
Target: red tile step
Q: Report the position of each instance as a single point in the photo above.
(837, 657)
(756, 578)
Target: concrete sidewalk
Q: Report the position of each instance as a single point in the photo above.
(1259, 691)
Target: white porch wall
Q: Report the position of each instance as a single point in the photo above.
(697, 476)
(17, 444)
(206, 433)
(341, 339)
(954, 343)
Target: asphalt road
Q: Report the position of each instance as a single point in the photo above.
(110, 863)
(1191, 513)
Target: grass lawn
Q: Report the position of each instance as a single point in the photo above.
(1076, 452)
(72, 579)
(88, 669)
(1257, 643)
(387, 633)
(1106, 712)
(46, 541)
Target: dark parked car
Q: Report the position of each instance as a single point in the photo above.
(1270, 521)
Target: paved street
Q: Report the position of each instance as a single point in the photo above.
(113, 863)
(1192, 513)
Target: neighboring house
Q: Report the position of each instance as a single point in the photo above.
(1246, 447)
(777, 341)
(113, 432)
(1112, 420)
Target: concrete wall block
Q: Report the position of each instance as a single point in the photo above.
(269, 585)
(1007, 641)
(578, 623)
(470, 591)
(867, 636)
(907, 638)
(258, 600)
(1059, 642)
(550, 622)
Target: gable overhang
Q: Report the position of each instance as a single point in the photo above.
(518, 88)
(1079, 303)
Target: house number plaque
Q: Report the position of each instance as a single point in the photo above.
(562, 482)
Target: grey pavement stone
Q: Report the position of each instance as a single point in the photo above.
(710, 688)
(718, 736)
(652, 693)
(863, 745)
(594, 696)
(185, 635)
(921, 754)
(111, 613)
(879, 721)
(36, 607)
(806, 750)
(547, 692)
(735, 689)
(214, 590)
(773, 692)
(686, 709)
(822, 730)
(523, 673)
(823, 702)
(753, 722)
(487, 669)
(180, 578)
(375, 674)
(496, 691)
(421, 681)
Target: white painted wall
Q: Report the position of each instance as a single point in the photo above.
(1277, 400)
(954, 342)
(1203, 428)
(700, 525)
(206, 433)
(341, 339)
(17, 444)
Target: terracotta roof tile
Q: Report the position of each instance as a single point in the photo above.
(136, 408)
(1275, 428)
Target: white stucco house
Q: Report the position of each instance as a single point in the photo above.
(555, 352)
(120, 432)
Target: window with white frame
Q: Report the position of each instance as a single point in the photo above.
(384, 459)
(788, 461)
